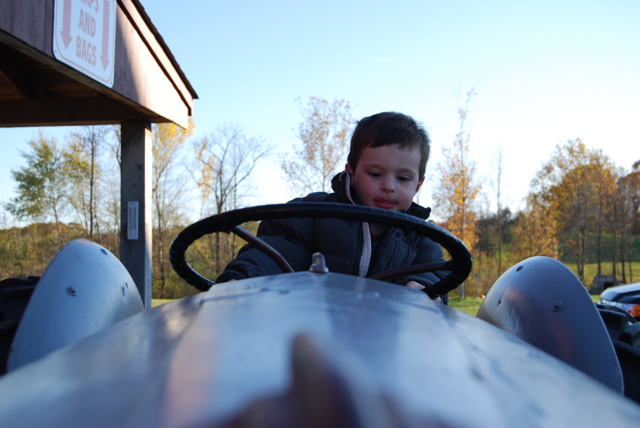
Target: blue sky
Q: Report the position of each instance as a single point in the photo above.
(545, 72)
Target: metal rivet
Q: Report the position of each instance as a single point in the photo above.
(519, 268)
(72, 290)
(558, 306)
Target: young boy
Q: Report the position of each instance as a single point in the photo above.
(385, 169)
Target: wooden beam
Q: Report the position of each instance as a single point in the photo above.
(157, 51)
(135, 187)
(70, 111)
(21, 79)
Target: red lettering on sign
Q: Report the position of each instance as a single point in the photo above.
(87, 23)
(86, 51)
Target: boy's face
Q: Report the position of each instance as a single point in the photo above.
(386, 177)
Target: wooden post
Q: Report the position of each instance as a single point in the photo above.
(135, 205)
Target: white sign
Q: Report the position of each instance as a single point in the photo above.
(132, 220)
(84, 36)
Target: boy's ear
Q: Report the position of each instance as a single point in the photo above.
(419, 184)
(352, 173)
(348, 168)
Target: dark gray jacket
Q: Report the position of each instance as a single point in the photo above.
(346, 245)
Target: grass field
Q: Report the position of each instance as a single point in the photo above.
(471, 305)
(591, 269)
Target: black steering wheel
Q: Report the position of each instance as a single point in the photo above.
(459, 266)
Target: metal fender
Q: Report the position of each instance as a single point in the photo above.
(84, 289)
(542, 302)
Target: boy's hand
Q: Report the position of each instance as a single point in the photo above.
(415, 285)
(418, 286)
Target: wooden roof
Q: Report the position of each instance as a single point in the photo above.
(38, 90)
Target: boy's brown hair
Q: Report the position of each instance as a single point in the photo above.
(386, 129)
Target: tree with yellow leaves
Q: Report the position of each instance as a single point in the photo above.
(458, 187)
(42, 185)
(534, 232)
(576, 186)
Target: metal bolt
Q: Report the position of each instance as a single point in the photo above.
(72, 290)
(558, 306)
(318, 264)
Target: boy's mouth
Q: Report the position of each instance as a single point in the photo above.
(385, 204)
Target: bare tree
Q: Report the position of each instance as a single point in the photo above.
(83, 156)
(497, 183)
(168, 188)
(628, 198)
(604, 178)
(323, 133)
(224, 162)
(112, 184)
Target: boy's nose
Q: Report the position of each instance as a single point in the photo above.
(387, 185)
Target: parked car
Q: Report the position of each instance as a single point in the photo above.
(626, 297)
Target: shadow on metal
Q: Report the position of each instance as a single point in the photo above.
(306, 349)
(543, 303)
(84, 289)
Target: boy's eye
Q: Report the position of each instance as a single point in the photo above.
(374, 174)
(404, 179)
